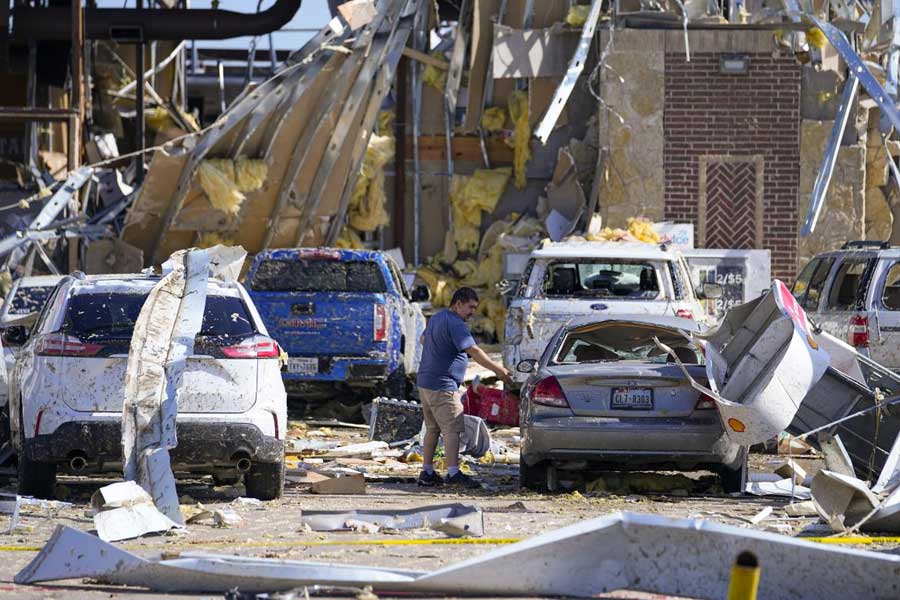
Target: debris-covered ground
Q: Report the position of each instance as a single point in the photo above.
(274, 529)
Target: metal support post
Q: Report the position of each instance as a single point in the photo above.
(399, 217)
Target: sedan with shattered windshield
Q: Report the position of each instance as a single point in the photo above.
(606, 396)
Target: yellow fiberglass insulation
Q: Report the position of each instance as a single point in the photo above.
(491, 307)
(493, 119)
(386, 122)
(349, 240)
(464, 268)
(466, 237)
(367, 204)
(250, 173)
(471, 194)
(639, 230)
(436, 78)
(577, 15)
(210, 239)
(223, 194)
(158, 119)
(441, 286)
(518, 112)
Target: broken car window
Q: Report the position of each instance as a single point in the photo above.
(890, 297)
(112, 316)
(604, 278)
(318, 275)
(30, 299)
(801, 284)
(844, 293)
(814, 291)
(609, 342)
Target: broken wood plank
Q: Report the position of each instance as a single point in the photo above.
(426, 59)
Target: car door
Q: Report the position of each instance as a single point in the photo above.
(884, 345)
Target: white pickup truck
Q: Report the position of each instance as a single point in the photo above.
(566, 280)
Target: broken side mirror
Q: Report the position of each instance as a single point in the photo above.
(421, 293)
(15, 336)
(711, 291)
(526, 366)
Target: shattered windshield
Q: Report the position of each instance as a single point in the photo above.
(318, 275)
(611, 342)
(112, 316)
(623, 279)
(30, 299)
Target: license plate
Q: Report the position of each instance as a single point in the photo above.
(632, 398)
(303, 366)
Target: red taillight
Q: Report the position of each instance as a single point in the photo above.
(58, 344)
(379, 323)
(37, 423)
(549, 393)
(684, 313)
(858, 333)
(704, 402)
(320, 253)
(275, 418)
(256, 347)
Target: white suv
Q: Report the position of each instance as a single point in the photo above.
(566, 280)
(68, 387)
(854, 294)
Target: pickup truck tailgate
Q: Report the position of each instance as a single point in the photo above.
(321, 323)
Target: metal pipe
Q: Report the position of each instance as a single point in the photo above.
(77, 463)
(52, 23)
(243, 464)
(399, 216)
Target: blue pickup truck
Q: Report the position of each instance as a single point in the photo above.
(344, 317)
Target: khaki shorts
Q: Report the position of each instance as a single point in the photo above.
(443, 411)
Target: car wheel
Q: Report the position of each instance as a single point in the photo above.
(35, 478)
(397, 384)
(533, 477)
(265, 481)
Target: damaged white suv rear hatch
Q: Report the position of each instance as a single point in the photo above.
(69, 385)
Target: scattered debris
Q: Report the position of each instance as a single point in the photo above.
(124, 510)
(761, 362)
(784, 487)
(690, 558)
(394, 421)
(791, 470)
(461, 516)
(340, 484)
(847, 504)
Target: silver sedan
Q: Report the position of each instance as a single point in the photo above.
(604, 395)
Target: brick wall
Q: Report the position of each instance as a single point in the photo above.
(727, 117)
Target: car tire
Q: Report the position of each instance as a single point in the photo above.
(732, 480)
(36, 479)
(533, 477)
(265, 481)
(397, 384)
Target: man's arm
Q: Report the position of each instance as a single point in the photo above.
(479, 356)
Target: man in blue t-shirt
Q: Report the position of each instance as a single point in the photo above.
(447, 345)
